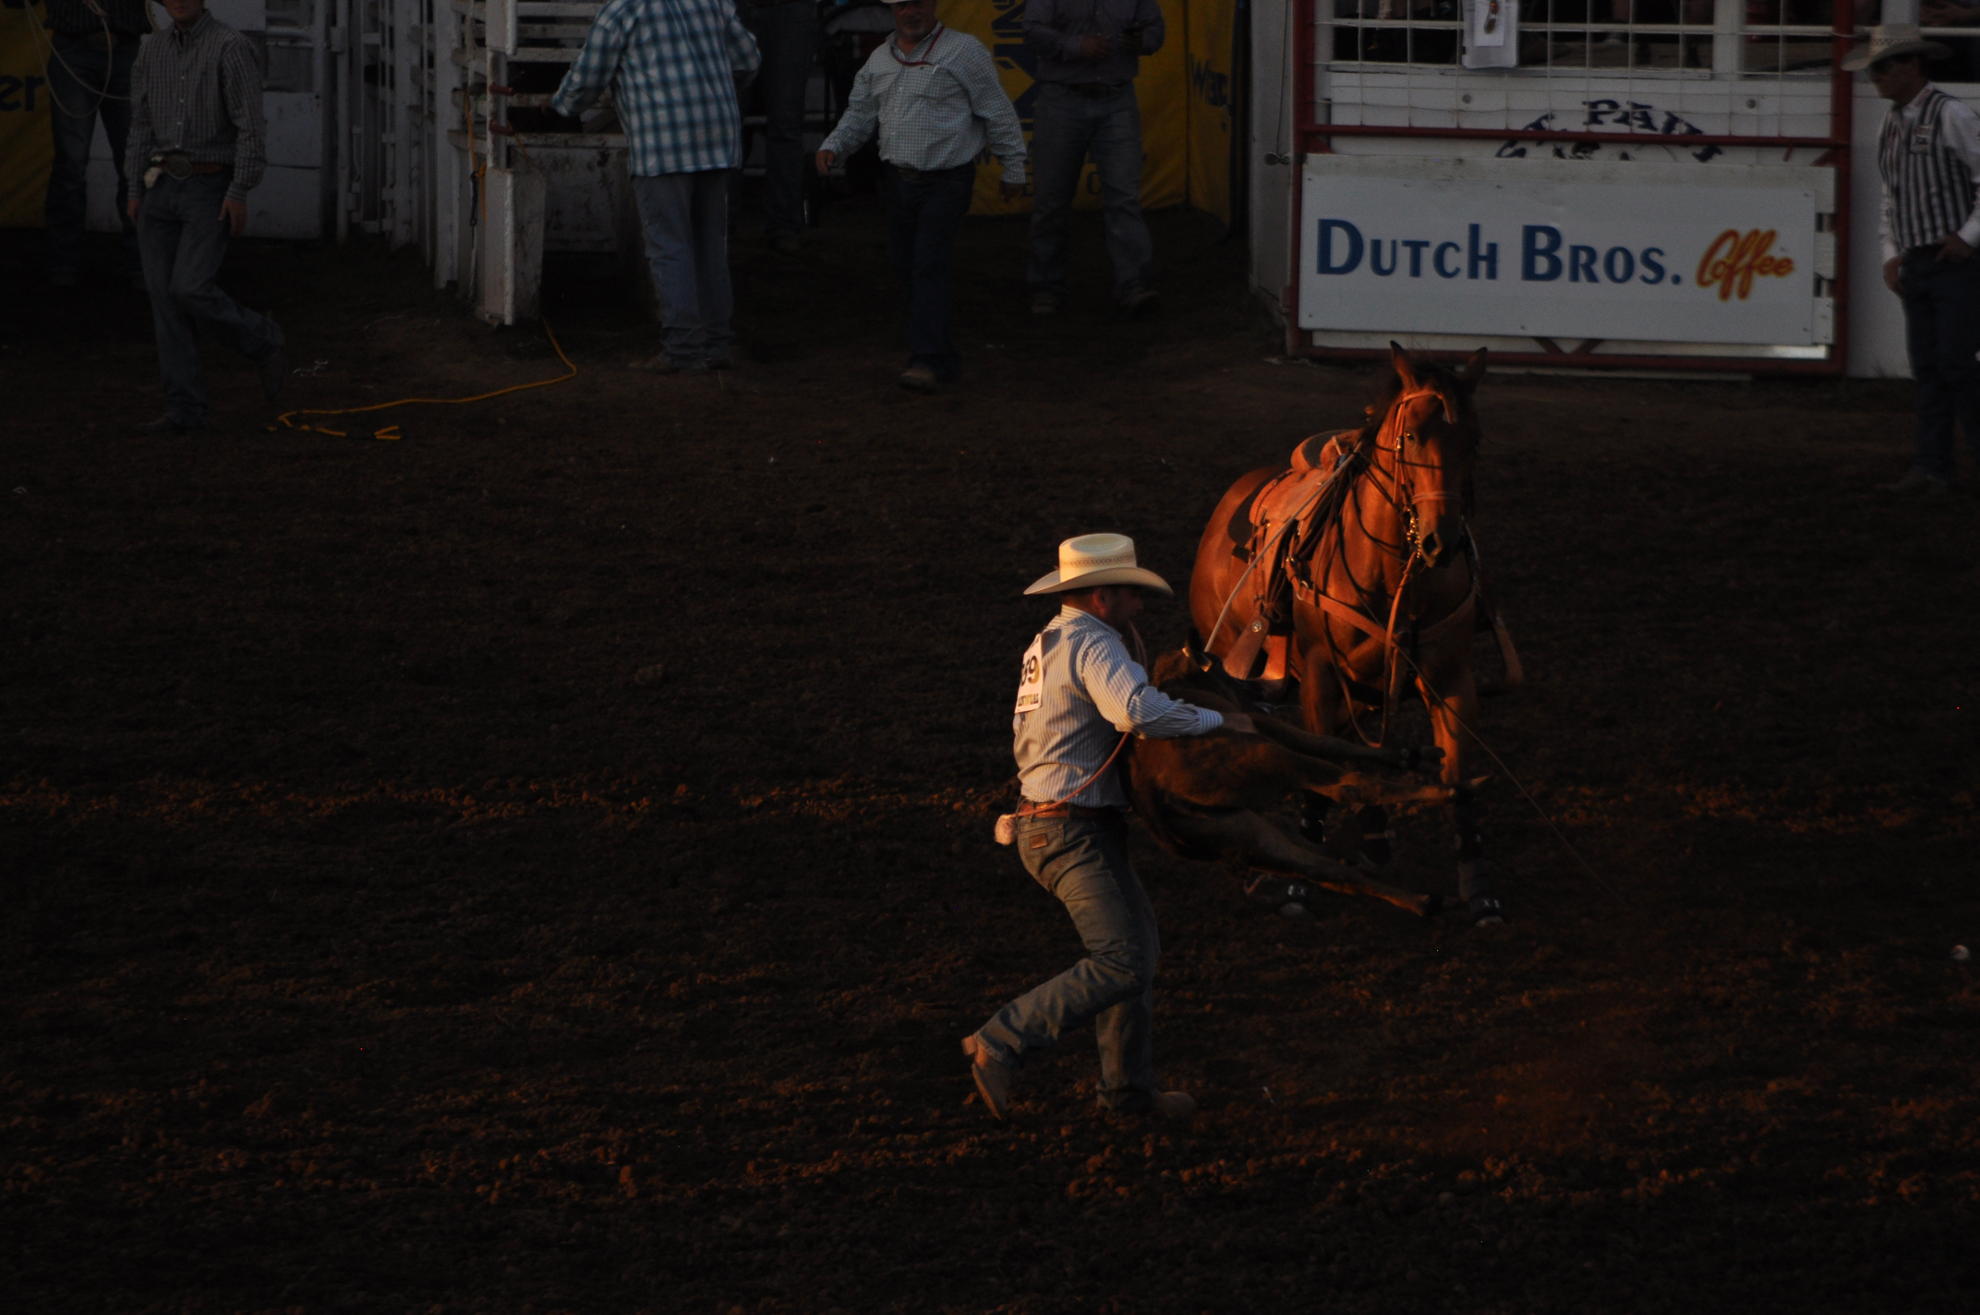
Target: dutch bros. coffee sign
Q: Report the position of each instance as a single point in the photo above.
(1573, 249)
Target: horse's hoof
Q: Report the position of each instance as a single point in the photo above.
(1486, 911)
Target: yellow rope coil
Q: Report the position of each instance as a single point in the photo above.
(390, 433)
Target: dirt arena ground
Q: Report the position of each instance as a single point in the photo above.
(544, 864)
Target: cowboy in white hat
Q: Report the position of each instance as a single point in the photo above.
(1929, 157)
(1079, 696)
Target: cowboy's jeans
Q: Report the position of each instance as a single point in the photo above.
(1066, 128)
(924, 213)
(1942, 335)
(1083, 862)
(183, 240)
(86, 82)
(686, 221)
(786, 31)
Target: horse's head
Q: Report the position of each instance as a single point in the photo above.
(1425, 444)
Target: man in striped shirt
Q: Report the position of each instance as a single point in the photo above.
(1929, 157)
(196, 144)
(934, 97)
(673, 66)
(1079, 696)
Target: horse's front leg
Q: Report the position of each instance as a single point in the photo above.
(1453, 708)
(1319, 708)
(1323, 705)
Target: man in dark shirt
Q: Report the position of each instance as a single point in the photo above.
(196, 141)
(1088, 52)
(92, 45)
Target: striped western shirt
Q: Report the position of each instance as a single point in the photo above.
(197, 89)
(1053, 29)
(1078, 694)
(1929, 156)
(671, 65)
(936, 106)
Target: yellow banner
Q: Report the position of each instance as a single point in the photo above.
(25, 148)
(999, 24)
(1211, 52)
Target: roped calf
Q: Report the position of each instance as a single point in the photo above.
(1208, 797)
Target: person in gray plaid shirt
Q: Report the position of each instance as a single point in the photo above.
(673, 66)
(196, 142)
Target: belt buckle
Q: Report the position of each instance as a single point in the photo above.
(178, 164)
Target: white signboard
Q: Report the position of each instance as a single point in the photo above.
(1711, 253)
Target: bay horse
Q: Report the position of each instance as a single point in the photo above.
(1350, 574)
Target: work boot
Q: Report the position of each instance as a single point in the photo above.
(274, 370)
(1172, 1106)
(993, 1076)
(920, 379)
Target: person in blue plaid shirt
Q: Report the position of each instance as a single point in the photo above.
(934, 97)
(673, 67)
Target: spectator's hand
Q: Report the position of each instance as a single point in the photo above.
(1954, 248)
(1095, 47)
(826, 159)
(1009, 190)
(1240, 722)
(131, 207)
(234, 215)
(1893, 273)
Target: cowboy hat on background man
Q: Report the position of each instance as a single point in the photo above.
(1893, 41)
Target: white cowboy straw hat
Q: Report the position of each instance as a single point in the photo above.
(1088, 561)
(1890, 40)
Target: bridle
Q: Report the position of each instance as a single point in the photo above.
(1400, 491)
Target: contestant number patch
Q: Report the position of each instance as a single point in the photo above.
(1031, 680)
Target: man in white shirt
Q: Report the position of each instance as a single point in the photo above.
(1929, 156)
(1080, 695)
(934, 97)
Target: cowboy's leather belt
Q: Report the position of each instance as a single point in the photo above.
(1030, 809)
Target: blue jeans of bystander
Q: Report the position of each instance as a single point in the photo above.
(924, 213)
(1067, 127)
(1083, 863)
(686, 220)
(1942, 337)
(89, 78)
(183, 240)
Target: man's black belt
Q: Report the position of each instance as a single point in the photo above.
(1094, 90)
(178, 164)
